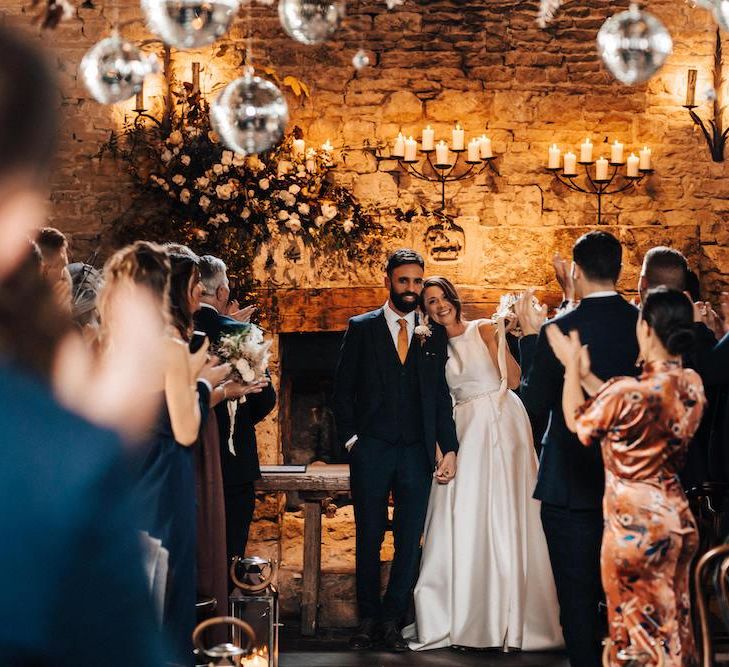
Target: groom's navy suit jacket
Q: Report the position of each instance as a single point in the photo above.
(570, 474)
(366, 385)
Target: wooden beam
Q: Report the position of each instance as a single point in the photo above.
(311, 310)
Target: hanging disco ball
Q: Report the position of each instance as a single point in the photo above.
(250, 115)
(721, 13)
(633, 45)
(311, 21)
(189, 24)
(113, 70)
(360, 60)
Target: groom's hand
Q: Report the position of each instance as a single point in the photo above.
(446, 469)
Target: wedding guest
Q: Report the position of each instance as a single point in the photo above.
(238, 448)
(64, 492)
(53, 246)
(571, 478)
(644, 426)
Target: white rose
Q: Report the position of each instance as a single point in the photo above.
(204, 203)
(202, 182)
(245, 370)
(166, 155)
(175, 139)
(264, 184)
(223, 191)
(239, 160)
(347, 225)
(329, 211)
(288, 198)
(185, 196)
(283, 167)
(283, 215)
(319, 220)
(185, 159)
(294, 224)
(304, 209)
(218, 169)
(294, 189)
(227, 158)
(178, 179)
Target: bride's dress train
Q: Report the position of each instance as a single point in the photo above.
(485, 578)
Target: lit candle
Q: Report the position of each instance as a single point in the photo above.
(633, 162)
(299, 147)
(428, 138)
(691, 88)
(442, 155)
(327, 146)
(139, 100)
(616, 153)
(411, 150)
(586, 151)
(570, 163)
(601, 169)
(474, 150)
(486, 151)
(459, 138)
(645, 158)
(398, 150)
(554, 157)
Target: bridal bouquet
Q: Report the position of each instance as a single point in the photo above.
(247, 351)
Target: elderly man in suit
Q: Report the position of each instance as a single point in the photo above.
(571, 477)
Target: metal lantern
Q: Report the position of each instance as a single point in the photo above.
(255, 602)
(225, 655)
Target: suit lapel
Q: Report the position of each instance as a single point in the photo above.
(384, 347)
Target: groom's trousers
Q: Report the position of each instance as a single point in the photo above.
(376, 469)
(573, 540)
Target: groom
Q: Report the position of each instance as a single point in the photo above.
(392, 405)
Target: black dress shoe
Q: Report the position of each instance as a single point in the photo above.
(364, 636)
(392, 638)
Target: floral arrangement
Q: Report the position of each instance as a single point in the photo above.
(247, 351)
(191, 189)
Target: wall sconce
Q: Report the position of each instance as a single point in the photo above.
(715, 134)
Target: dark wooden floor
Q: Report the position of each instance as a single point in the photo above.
(329, 649)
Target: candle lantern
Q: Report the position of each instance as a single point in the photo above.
(228, 654)
(255, 601)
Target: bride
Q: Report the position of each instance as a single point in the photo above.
(485, 578)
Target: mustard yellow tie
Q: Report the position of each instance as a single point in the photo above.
(402, 340)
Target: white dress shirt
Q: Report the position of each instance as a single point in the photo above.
(597, 295)
(393, 323)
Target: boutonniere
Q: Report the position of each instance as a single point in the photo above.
(423, 331)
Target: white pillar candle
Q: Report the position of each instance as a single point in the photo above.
(428, 138)
(554, 157)
(616, 153)
(459, 138)
(474, 150)
(601, 169)
(442, 155)
(299, 147)
(411, 150)
(398, 150)
(586, 151)
(486, 151)
(633, 162)
(570, 163)
(645, 158)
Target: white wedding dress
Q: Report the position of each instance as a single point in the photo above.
(485, 578)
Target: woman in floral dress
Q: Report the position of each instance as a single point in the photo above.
(644, 425)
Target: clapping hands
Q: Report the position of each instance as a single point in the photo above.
(240, 314)
(531, 318)
(564, 276)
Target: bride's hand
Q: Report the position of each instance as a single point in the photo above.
(446, 469)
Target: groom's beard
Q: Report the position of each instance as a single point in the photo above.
(401, 303)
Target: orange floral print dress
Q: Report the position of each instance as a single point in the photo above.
(644, 426)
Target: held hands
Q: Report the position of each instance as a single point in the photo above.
(531, 319)
(445, 469)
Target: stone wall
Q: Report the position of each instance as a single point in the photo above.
(483, 63)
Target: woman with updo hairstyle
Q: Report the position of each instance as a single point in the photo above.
(644, 425)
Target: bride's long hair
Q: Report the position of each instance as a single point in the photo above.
(449, 291)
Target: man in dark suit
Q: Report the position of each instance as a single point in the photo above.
(392, 405)
(571, 477)
(238, 450)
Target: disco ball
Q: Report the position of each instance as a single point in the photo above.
(250, 115)
(311, 21)
(189, 24)
(633, 45)
(721, 13)
(113, 70)
(360, 60)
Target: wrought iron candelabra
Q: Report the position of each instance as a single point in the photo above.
(600, 187)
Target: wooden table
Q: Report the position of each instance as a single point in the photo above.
(317, 483)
